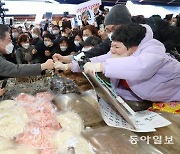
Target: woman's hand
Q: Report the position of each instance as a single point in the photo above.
(47, 53)
(34, 51)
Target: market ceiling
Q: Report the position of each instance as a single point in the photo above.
(142, 2)
(113, 2)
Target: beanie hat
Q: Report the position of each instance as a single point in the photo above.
(118, 15)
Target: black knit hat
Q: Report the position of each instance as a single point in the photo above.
(118, 15)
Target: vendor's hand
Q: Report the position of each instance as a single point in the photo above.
(60, 66)
(34, 51)
(48, 65)
(2, 91)
(93, 67)
(47, 53)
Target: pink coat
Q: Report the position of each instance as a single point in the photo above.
(150, 73)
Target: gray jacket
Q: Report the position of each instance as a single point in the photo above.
(21, 56)
(8, 69)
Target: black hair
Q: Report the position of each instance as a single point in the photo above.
(23, 38)
(79, 33)
(3, 30)
(130, 35)
(91, 28)
(49, 35)
(56, 26)
(64, 38)
(139, 19)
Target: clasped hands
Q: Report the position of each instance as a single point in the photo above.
(88, 67)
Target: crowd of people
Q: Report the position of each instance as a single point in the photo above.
(140, 55)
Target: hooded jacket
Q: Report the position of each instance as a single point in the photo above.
(150, 73)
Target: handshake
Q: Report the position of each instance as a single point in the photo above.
(57, 63)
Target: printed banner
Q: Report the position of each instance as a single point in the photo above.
(88, 8)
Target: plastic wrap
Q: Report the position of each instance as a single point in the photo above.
(66, 139)
(37, 84)
(17, 86)
(108, 140)
(19, 149)
(174, 118)
(73, 102)
(43, 122)
(37, 137)
(71, 121)
(60, 85)
(79, 79)
(5, 143)
(39, 108)
(91, 97)
(166, 134)
(13, 119)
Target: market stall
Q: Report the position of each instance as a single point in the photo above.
(50, 115)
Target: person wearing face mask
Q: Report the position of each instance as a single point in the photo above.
(118, 15)
(64, 46)
(77, 41)
(8, 69)
(14, 37)
(14, 33)
(56, 31)
(50, 47)
(90, 43)
(26, 53)
(38, 43)
(67, 32)
(89, 30)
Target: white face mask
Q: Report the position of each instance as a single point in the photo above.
(55, 32)
(84, 38)
(77, 43)
(9, 48)
(47, 43)
(15, 35)
(25, 46)
(109, 35)
(34, 36)
(86, 49)
(63, 48)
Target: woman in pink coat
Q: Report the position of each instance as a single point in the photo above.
(138, 66)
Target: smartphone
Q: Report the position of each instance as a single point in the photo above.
(4, 84)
